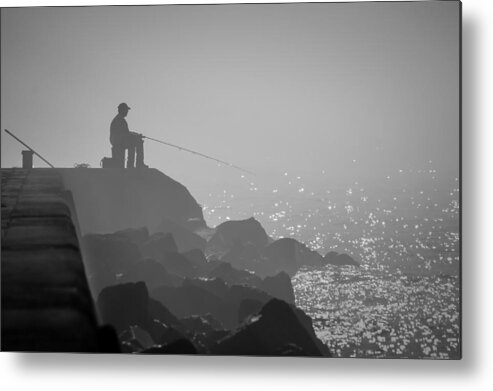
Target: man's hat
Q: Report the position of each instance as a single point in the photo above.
(123, 106)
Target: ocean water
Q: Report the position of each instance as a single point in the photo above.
(404, 300)
(373, 312)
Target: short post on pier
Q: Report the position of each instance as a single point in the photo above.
(27, 159)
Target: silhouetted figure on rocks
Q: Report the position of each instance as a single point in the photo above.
(122, 138)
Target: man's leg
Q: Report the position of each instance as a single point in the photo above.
(139, 149)
(118, 156)
(131, 155)
(138, 144)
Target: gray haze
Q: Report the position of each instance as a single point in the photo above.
(355, 90)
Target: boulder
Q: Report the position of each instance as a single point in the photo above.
(142, 336)
(101, 277)
(333, 258)
(185, 239)
(307, 323)
(247, 308)
(279, 286)
(158, 312)
(204, 341)
(244, 231)
(137, 236)
(203, 296)
(158, 244)
(201, 323)
(152, 272)
(130, 346)
(216, 286)
(124, 305)
(199, 262)
(243, 256)
(108, 340)
(270, 332)
(170, 335)
(188, 300)
(276, 286)
(226, 272)
(108, 251)
(238, 293)
(289, 255)
(128, 305)
(178, 264)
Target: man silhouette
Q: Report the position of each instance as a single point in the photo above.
(122, 138)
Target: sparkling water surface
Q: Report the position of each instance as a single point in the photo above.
(404, 300)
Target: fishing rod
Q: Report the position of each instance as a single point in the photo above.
(199, 154)
(32, 150)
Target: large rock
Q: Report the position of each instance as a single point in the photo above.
(137, 333)
(185, 239)
(245, 245)
(216, 286)
(243, 231)
(158, 312)
(243, 256)
(129, 304)
(201, 323)
(247, 308)
(204, 341)
(162, 247)
(112, 199)
(124, 305)
(159, 244)
(289, 255)
(201, 265)
(178, 264)
(169, 335)
(129, 345)
(110, 250)
(232, 297)
(191, 300)
(284, 254)
(101, 276)
(279, 286)
(275, 329)
(238, 293)
(152, 272)
(202, 297)
(233, 276)
(333, 258)
(137, 236)
(105, 256)
(204, 331)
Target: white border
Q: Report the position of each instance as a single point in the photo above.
(474, 372)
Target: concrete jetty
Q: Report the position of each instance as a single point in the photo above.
(46, 300)
(46, 303)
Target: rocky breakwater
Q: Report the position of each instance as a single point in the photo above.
(169, 284)
(245, 245)
(166, 287)
(162, 299)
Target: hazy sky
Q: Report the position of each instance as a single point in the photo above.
(354, 89)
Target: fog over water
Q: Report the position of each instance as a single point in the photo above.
(352, 89)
